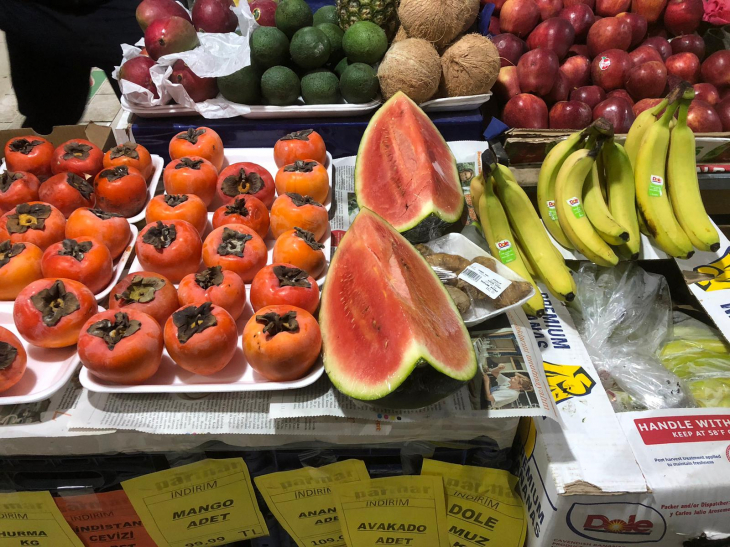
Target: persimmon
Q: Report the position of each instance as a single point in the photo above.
(13, 359)
(246, 178)
(171, 248)
(16, 188)
(33, 222)
(30, 154)
(198, 141)
(201, 339)
(147, 292)
(130, 154)
(284, 284)
(297, 211)
(20, 265)
(223, 288)
(191, 175)
(306, 177)
(84, 259)
(187, 207)
(50, 312)
(67, 192)
(121, 190)
(77, 156)
(300, 145)
(123, 347)
(299, 248)
(282, 342)
(237, 248)
(246, 210)
(111, 229)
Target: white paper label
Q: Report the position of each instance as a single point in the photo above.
(485, 280)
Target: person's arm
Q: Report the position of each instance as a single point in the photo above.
(497, 370)
(504, 397)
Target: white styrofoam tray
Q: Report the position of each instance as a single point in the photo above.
(457, 244)
(455, 104)
(158, 164)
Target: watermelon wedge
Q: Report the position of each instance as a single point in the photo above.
(391, 334)
(407, 174)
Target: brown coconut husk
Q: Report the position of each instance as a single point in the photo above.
(470, 66)
(400, 35)
(411, 66)
(437, 21)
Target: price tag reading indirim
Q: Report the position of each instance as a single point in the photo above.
(576, 207)
(202, 504)
(552, 212)
(32, 518)
(485, 280)
(506, 251)
(656, 183)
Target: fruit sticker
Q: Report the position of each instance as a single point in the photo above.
(506, 251)
(604, 63)
(655, 186)
(551, 210)
(720, 272)
(485, 280)
(576, 207)
(567, 381)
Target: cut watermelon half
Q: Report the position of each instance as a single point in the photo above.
(391, 334)
(406, 173)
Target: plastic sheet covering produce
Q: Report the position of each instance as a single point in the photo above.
(624, 314)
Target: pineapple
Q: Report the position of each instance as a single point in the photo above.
(381, 12)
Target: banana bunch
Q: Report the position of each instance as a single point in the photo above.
(517, 237)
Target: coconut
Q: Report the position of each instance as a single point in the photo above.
(470, 66)
(411, 66)
(400, 35)
(437, 21)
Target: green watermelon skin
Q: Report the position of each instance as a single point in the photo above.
(391, 335)
(406, 173)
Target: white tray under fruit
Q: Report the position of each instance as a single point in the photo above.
(455, 104)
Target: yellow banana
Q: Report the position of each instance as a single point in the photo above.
(529, 265)
(642, 223)
(571, 215)
(638, 129)
(499, 236)
(684, 190)
(529, 230)
(476, 189)
(651, 194)
(622, 194)
(597, 210)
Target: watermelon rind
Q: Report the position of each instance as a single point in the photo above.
(430, 222)
(420, 379)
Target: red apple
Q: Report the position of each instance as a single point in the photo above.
(537, 70)
(692, 43)
(590, 94)
(646, 81)
(493, 25)
(661, 45)
(645, 104)
(638, 26)
(151, 10)
(650, 9)
(617, 111)
(645, 54)
(137, 71)
(707, 93)
(610, 69)
(702, 118)
(724, 93)
(577, 70)
(549, 8)
(507, 84)
(510, 48)
(581, 17)
(683, 16)
(723, 111)
(570, 115)
(590, 3)
(497, 4)
(264, 12)
(199, 89)
(716, 69)
(525, 110)
(519, 17)
(555, 34)
(684, 65)
(578, 49)
(621, 93)
(611, 8)
(560, 91)
(609, 33)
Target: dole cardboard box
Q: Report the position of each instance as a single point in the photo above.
(101, 135)
(651, 478)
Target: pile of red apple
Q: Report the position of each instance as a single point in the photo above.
(566, 63)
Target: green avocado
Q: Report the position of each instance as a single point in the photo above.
(243, 86)
(280, 86)
(321, 87)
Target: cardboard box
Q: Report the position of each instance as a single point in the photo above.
(605, 479)
(101, 135)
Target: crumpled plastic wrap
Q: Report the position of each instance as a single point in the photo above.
(624, 314)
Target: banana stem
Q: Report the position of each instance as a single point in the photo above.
(669, 113)
(683, 110)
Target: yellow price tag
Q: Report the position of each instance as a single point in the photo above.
(198, 505)
(302, 502)
(407, 511)
(483, 507)
(32, 518)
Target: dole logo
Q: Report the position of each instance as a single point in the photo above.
(617, 522)
(504, 244)
(551, 204)
(573, 202)
(657, 180)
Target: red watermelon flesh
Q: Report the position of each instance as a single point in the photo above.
(388, 323)
(406, 173)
